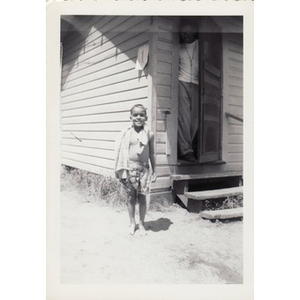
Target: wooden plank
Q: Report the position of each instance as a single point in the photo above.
(235, 148)
(166, 46)
(107, 28)
(235, 100)
(165, 23)
(235, 48)
(103, 153)
(100, 109)
(88, 167)
(160, 137)
(177, 177)
(235, 139)
(111, 89)
(93, 160)
(238, 65)
(235, 90)
(164, 68)
(101, 73)
(165, 35)
(164, 56)
(228, 167)
(163, 171)
(161, 183)
(99, 118)
(163, 91)
(140, 93)
(222, 214)
(104, 40)
(102, 82)
(213, 194)
(162, 159)
(235, 72)
(95, 38)
(236, 110)
(95, 127)
(235, 129)
(108, 145)
(95, 63)
(235, 157)
(160, 148)
(161, 126)
(164, 79)
(164, 103)
(90, 135)
(82, 24)
(99, 52)
(235, 81)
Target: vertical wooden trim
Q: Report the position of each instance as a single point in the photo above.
(225, 128)
(152, 77)
(172, 119)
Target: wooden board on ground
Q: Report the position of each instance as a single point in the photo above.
(213, 194)
(204, 175)
(223, 214)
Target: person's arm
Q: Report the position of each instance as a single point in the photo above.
(152, 155)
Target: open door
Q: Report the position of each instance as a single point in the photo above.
(210, 68)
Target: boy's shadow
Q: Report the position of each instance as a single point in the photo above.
(162, 224)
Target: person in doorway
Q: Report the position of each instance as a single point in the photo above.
(188, 102)
(134, 157)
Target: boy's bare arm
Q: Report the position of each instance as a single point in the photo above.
(152, 155)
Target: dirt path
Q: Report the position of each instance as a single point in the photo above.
(179, 247)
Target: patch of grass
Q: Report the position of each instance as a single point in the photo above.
(101, 188)
(229, 202)
(162, 204)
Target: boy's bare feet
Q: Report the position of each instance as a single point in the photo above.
(142, 229)
(132, 228)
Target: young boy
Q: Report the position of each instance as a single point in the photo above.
(134, 151)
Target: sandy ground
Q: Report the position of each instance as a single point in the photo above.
(179, 247)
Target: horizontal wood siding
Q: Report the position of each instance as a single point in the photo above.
(99, 86)
(233, 98)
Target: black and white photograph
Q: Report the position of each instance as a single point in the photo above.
(151, 149)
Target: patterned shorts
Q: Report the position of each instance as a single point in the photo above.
(138, 178)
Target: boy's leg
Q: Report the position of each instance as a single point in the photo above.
(142, 211)
(131, 210)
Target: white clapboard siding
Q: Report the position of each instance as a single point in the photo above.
(233, 96)
(97, 144)
(104, 36)
(137, 93)
(100, 85)
(100, 63)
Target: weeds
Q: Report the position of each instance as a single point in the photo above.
(99, 187)
(229, 202)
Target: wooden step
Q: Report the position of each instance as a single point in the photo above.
(213, 194)
(222, 213)
(179, 177)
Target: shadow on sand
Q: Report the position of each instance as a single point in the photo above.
(161, 224)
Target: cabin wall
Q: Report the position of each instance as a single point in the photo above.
(233, 101)
(99, 86)
(232, 136)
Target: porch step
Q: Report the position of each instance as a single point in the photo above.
(180, 177)
(222, 214)
(213, 194)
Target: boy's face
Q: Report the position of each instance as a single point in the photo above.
(138, 116)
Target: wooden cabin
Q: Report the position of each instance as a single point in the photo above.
(100, 84)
